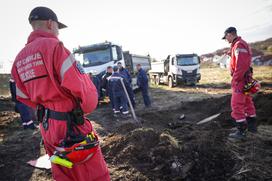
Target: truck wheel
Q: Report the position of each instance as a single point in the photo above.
(157, 80)
(170, 82)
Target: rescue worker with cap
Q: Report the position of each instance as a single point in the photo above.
(118, 93)
(48, 77)
(142, 82)
(124, 72)
(243, 109)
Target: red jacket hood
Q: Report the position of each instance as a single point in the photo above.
(39, 33)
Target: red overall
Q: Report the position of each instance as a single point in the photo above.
(46, 73)
(241, 104)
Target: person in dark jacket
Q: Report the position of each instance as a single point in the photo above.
(142, 82)
(96, 82)
(26, 113)
(105, 84)
(118, 93)
(124, 72)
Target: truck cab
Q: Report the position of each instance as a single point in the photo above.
(186, 68)
(176, 69)
(96, 58)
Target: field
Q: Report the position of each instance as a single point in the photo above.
(163, 147)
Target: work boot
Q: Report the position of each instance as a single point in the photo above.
(252, 124)
(125, 116)
(240, 133)
(116, 114)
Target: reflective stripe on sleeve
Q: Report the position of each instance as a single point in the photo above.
(19, 93)
(240, 50)
(66, 65)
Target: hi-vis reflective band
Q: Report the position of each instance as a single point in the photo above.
(125, 112)
(68, 62)
(118, 78)
(240, 120)
(19, 93)
(240, 50)
(28, 123)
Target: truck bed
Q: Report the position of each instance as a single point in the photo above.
(157, 67)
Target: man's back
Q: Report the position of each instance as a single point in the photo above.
(46, 74)
(142, 79)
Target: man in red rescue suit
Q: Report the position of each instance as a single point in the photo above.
(47, 76)
(243, 110)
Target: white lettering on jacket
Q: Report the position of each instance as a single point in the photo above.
(31, 67)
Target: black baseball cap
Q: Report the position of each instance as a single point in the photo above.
(229, 30)
(44, 13)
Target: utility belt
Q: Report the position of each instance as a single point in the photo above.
(76, 148)
(43, 114)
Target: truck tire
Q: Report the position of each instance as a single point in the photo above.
(157, 80)
(170, 82)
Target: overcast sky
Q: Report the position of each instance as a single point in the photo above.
(157, 27)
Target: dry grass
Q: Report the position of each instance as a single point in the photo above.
(216, 75)
(263, 74)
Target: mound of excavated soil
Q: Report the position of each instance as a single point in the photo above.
(190, 151)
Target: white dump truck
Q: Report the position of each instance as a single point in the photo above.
(96, 58)
(176, 69)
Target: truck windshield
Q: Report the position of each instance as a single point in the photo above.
(183, 61)
(97, 57)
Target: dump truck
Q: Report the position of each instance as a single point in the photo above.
(95, 59)
(175, 70)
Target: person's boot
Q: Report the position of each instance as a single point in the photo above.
(116, 114)
(252, 124)
(125, 115)
(240, 133)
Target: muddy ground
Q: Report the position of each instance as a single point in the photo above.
(157, 150)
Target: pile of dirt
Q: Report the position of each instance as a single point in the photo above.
(161, 155)
(147, 150)
(190, 151)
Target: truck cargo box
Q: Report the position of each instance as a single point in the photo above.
(157, 67)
